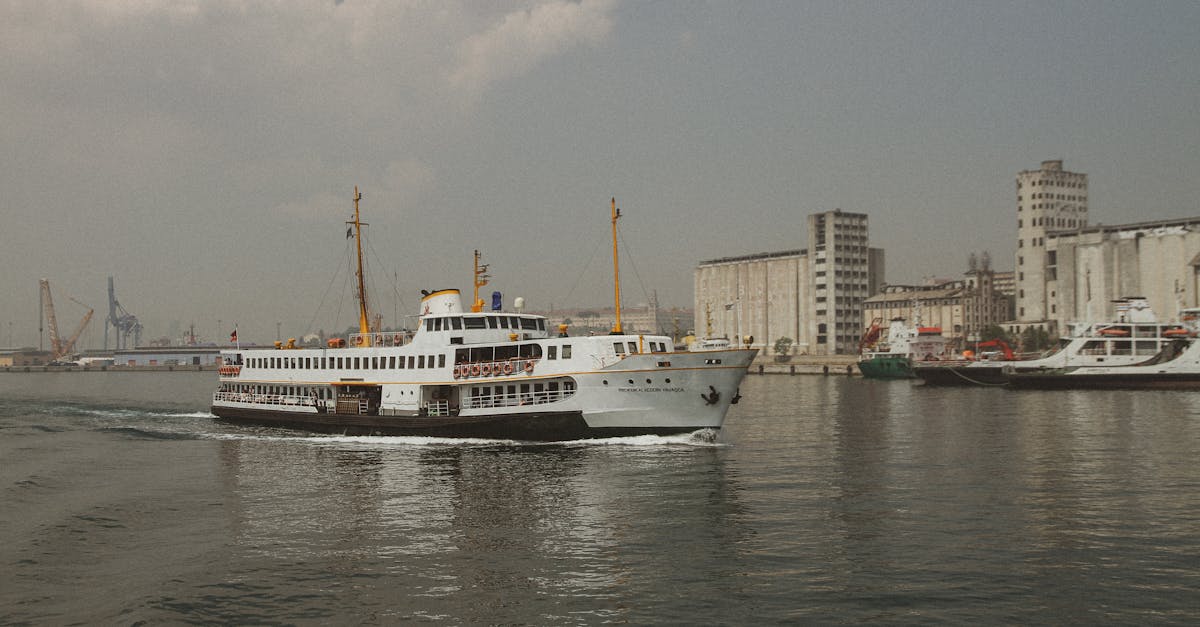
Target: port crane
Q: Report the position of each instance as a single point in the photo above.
(121, 321)
(59, 348)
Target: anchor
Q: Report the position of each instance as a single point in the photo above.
(712, 397)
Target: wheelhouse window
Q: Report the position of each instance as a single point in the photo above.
(619, 348)
(566, 351)
(475, 322)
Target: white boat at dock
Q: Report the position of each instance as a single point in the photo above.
(1135, 336)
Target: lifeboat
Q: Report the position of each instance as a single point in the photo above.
(929, 330)
(1178, 333)
(1114, 332)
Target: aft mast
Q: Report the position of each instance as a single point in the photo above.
(480, 278)
(616, 213)
(364, 324)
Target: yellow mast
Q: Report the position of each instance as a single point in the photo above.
(364, 325)
(616, 213)
(480, 278)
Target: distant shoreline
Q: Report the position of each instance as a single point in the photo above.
(799, 365)
(171, 368)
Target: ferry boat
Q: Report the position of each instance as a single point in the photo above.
(890, 353)
(709, 342)
(482, 374)
(1176, 367)
(1135, 336)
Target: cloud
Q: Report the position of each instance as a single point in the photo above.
(408, 179)
(522, 39)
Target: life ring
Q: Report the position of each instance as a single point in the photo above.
(528, 365)
(396, 340)
(508, 367)
(474, 370)
(487, 370)
(457, 372)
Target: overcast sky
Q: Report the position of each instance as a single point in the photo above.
(205, 153)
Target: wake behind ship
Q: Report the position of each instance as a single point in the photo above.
(482, 374)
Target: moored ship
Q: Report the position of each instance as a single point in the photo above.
(482, 374)
(890, 353)
(1135, 336)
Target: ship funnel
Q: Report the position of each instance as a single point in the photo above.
(441, 302)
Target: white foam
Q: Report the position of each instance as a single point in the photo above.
(702, 438)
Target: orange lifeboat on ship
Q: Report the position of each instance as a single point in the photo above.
(1114, 332)
(1178, 333)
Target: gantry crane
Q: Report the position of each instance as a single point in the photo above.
(59, 348)
(123, 322)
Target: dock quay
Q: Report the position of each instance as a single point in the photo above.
(806, 365)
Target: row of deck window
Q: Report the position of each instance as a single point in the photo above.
(279, 390)
(655, 347)
(392, 362)
(456, 323)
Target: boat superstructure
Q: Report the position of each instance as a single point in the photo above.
(1175, 367)
(485, 374)
(1135, 336)
(890, 353)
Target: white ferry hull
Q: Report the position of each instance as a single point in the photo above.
(633, 396)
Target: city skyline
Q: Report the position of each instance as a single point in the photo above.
(205, 154)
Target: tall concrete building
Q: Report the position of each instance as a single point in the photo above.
(1068, 271)
(1048, 199)
(813, 296)
(1088, 269)
(841, 277)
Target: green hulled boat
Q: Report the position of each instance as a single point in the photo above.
(889, 353)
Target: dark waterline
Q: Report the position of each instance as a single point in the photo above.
(827, 499)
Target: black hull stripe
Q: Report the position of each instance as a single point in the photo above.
(1161, 381)
(539, 427)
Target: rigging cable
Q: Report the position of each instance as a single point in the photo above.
(325, 295)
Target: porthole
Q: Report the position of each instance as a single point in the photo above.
(647, 381)
(668, 380)
(631, 382)
(605, 382)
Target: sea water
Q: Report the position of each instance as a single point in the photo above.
(825, 499)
